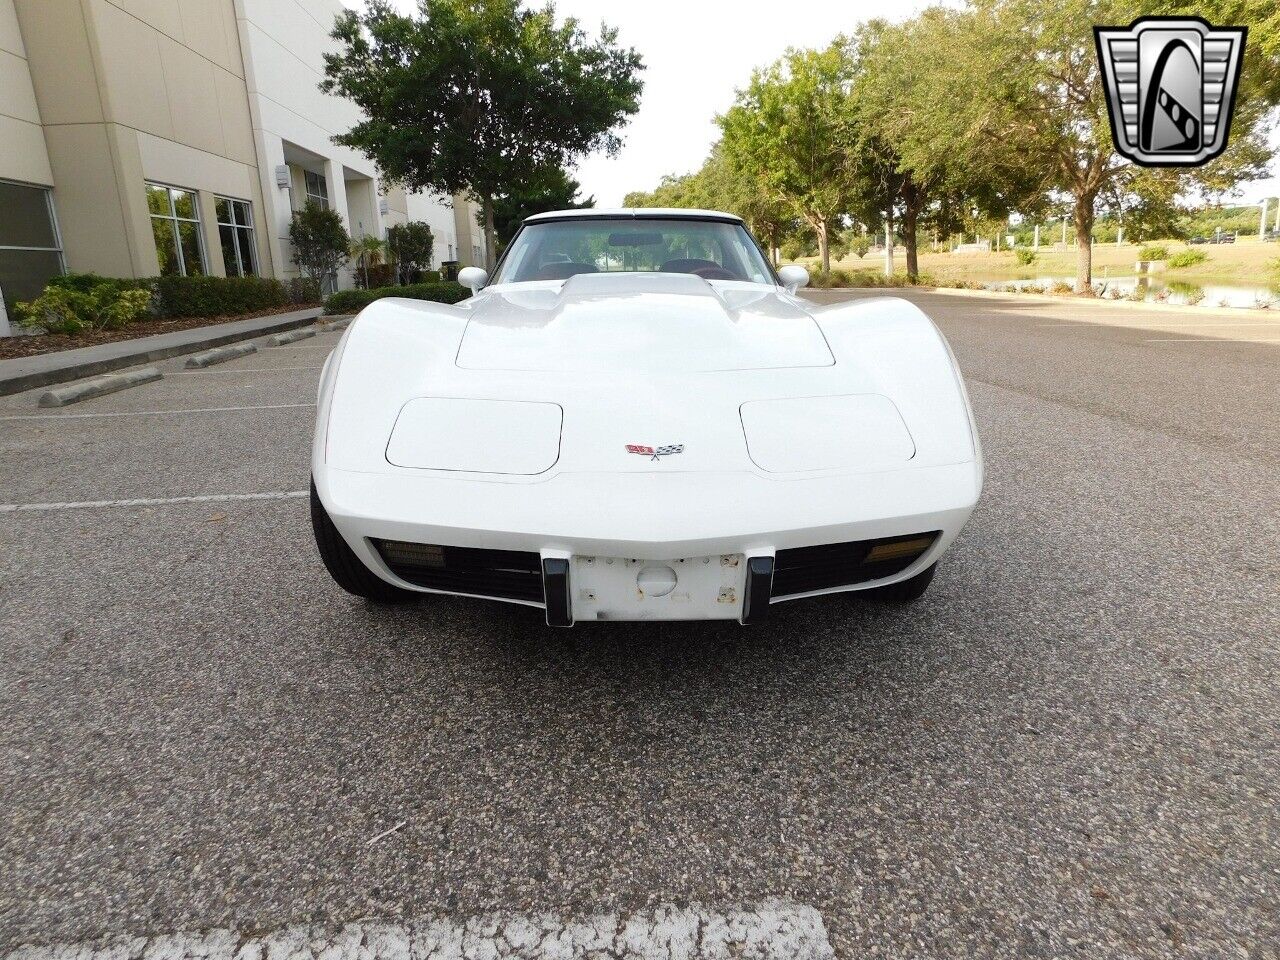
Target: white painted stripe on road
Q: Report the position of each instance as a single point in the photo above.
(1147, 325)
(152, 501)
(191, 373)
(774, 930)
(1210, 339)
(157, 413)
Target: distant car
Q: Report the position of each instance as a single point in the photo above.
(1223, 238)
(1195, 240)
(638, 419)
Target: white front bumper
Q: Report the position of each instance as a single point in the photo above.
(659, 516)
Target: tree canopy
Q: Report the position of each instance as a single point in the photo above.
(479, 96)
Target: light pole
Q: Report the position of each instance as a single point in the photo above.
(1262, 225)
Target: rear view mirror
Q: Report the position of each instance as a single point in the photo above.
(473, 278)
(793, 277)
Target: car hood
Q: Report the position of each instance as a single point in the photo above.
(636, 323)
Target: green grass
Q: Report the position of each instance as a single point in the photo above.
(1247, 263)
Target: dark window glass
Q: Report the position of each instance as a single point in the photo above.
(158, 201)
(184, 204)
(166, 246)
(189, 237)
(222, 207)
(23, 274)
(248, 255)
(230, 258)
(25, 220)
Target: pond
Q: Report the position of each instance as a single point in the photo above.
(1157, 290)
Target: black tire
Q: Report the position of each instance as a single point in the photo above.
(904, 591)
(344, 566)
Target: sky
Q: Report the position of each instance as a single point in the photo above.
(696, 54)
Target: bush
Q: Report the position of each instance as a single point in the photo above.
(302, 290)
(1187, 258)
(430, 276)
(102, 306)
(1026, 257)
(864, 278)
(320, 241)
(91, 282)
(379, 274)
(353, 301)
(1153, 251)
(218, 296)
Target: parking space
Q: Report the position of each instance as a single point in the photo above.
(1067, 747)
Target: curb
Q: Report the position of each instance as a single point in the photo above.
(340, 323)
(99, 386)
(220, 355)
(47, 369)
(293, 336)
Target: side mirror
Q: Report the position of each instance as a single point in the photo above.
(793, 277)
(473, 278)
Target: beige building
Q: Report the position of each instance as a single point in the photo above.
(140, 137)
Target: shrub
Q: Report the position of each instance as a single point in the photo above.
(218, 296)
(1187, 258)
(1153, 251)
(101, 307)
(91, 282)
(378, 275)
(352, 301)
(1026, 257)
(320, 241)
(303, 290)
(409, 247)
(430, 276)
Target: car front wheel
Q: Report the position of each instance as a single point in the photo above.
(904, 591)
(344, 566)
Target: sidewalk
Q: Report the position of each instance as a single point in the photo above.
(27, 373)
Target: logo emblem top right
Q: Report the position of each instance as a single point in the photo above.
(1171, 87)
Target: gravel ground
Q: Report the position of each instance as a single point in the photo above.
(1069, 747)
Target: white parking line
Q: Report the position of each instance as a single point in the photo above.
(156, 413)
(152, 501)
(1139, 325)
(774, 930)
(241, 370)
(1210, 339)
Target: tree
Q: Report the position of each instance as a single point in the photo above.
(410, 246)
(320, 241)
(368, 251)
(545, 190)
(788, 132)
(478, 96)
(1017, 90)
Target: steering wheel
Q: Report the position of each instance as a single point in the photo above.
(713, 273)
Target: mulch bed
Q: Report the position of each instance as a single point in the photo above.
(30, 346)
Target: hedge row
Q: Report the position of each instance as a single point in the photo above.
(200, 296)
(353, 301)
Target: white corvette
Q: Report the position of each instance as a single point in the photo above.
(638, 419)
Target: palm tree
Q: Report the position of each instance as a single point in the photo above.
(368, 249)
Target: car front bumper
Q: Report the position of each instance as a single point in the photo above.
(648, 521)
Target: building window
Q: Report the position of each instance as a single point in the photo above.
(317, 189)
(175, 223)
(235, 231)
(30, 249)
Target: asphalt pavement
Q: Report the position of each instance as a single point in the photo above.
(1069, 747)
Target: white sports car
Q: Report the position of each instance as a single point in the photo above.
(638, 419)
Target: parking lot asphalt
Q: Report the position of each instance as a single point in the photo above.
(1070, 746)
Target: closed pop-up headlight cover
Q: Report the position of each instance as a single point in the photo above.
(476, 436)
(803, 434)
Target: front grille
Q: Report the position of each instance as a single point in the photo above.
(841, 564)
(507, 574)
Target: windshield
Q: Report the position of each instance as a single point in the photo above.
(557, 249)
